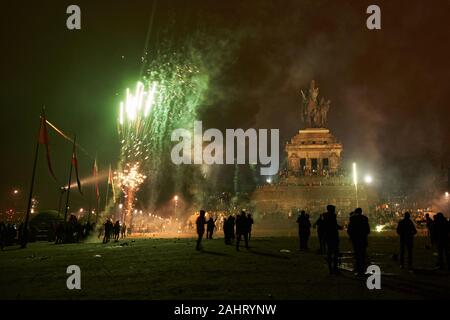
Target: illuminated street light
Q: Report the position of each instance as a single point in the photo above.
(368, 179)
(269, 180)
(81, 210)
(355, 182)
(15, 191)
(447, 197)
(176, 205)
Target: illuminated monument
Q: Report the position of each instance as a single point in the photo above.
(313, 176)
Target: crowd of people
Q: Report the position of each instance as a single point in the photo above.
(358, 230)
(71, 232)
(112, 230)
(238, 227)
(8, 234)
(234, 228)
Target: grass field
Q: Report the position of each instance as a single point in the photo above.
(172, 269)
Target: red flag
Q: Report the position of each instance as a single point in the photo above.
(95, 174)
(75, 164)
(43, 139)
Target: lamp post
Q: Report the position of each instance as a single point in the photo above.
(62, 190)
(176, 205)
(15, 195)
(355, 182)
(447, 198)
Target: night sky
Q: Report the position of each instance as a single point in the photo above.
(389, 88)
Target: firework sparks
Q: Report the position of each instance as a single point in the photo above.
(129, 180)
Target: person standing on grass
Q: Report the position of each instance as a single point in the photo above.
(108, 230)
(226, 232)
(358, 230)
(304, 229)
(232, 222)
(250, 225)
(406, 230)
(2, 235)
(441, 229)
(210, 226)
(331, 235)
(200, 223)
(116, 231)
(123, 230)
(319, 225)
(242, 228)
(430, 229)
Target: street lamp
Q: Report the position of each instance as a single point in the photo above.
(368, 179)
(447, 197)
(176, 205)
(355, 182)
(62, 191)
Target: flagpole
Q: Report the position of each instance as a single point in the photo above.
(69, 183)
(24, 235)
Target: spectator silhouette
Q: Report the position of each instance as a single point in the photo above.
(226, 231)
(441, 229)
(250, 225)
(358, 230)
(430, 229)
(304, 229)
(331, 235)
(406, 230)
(108, 230)
(200, 223)
(117, 231)
(320, 234)
(242, 228)
(123, 230)
(210, 225)
(2, 235)
(232, 221)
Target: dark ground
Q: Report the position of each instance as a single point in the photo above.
(172, 269)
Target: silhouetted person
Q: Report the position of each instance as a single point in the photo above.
(331, 234)
(226, 231)
(2, 235)
(232, 221)
(123, 231)
(200, 223)
(430, 229)
(441, 229)
(358, 230)
(117, 231)
(108, 230)
(304, 229)
(320, 234)
(406, 230)
(59, 233)
(250, 225)
(242, 228)
(210, 225)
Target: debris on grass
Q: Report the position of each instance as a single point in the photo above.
(285, 251)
